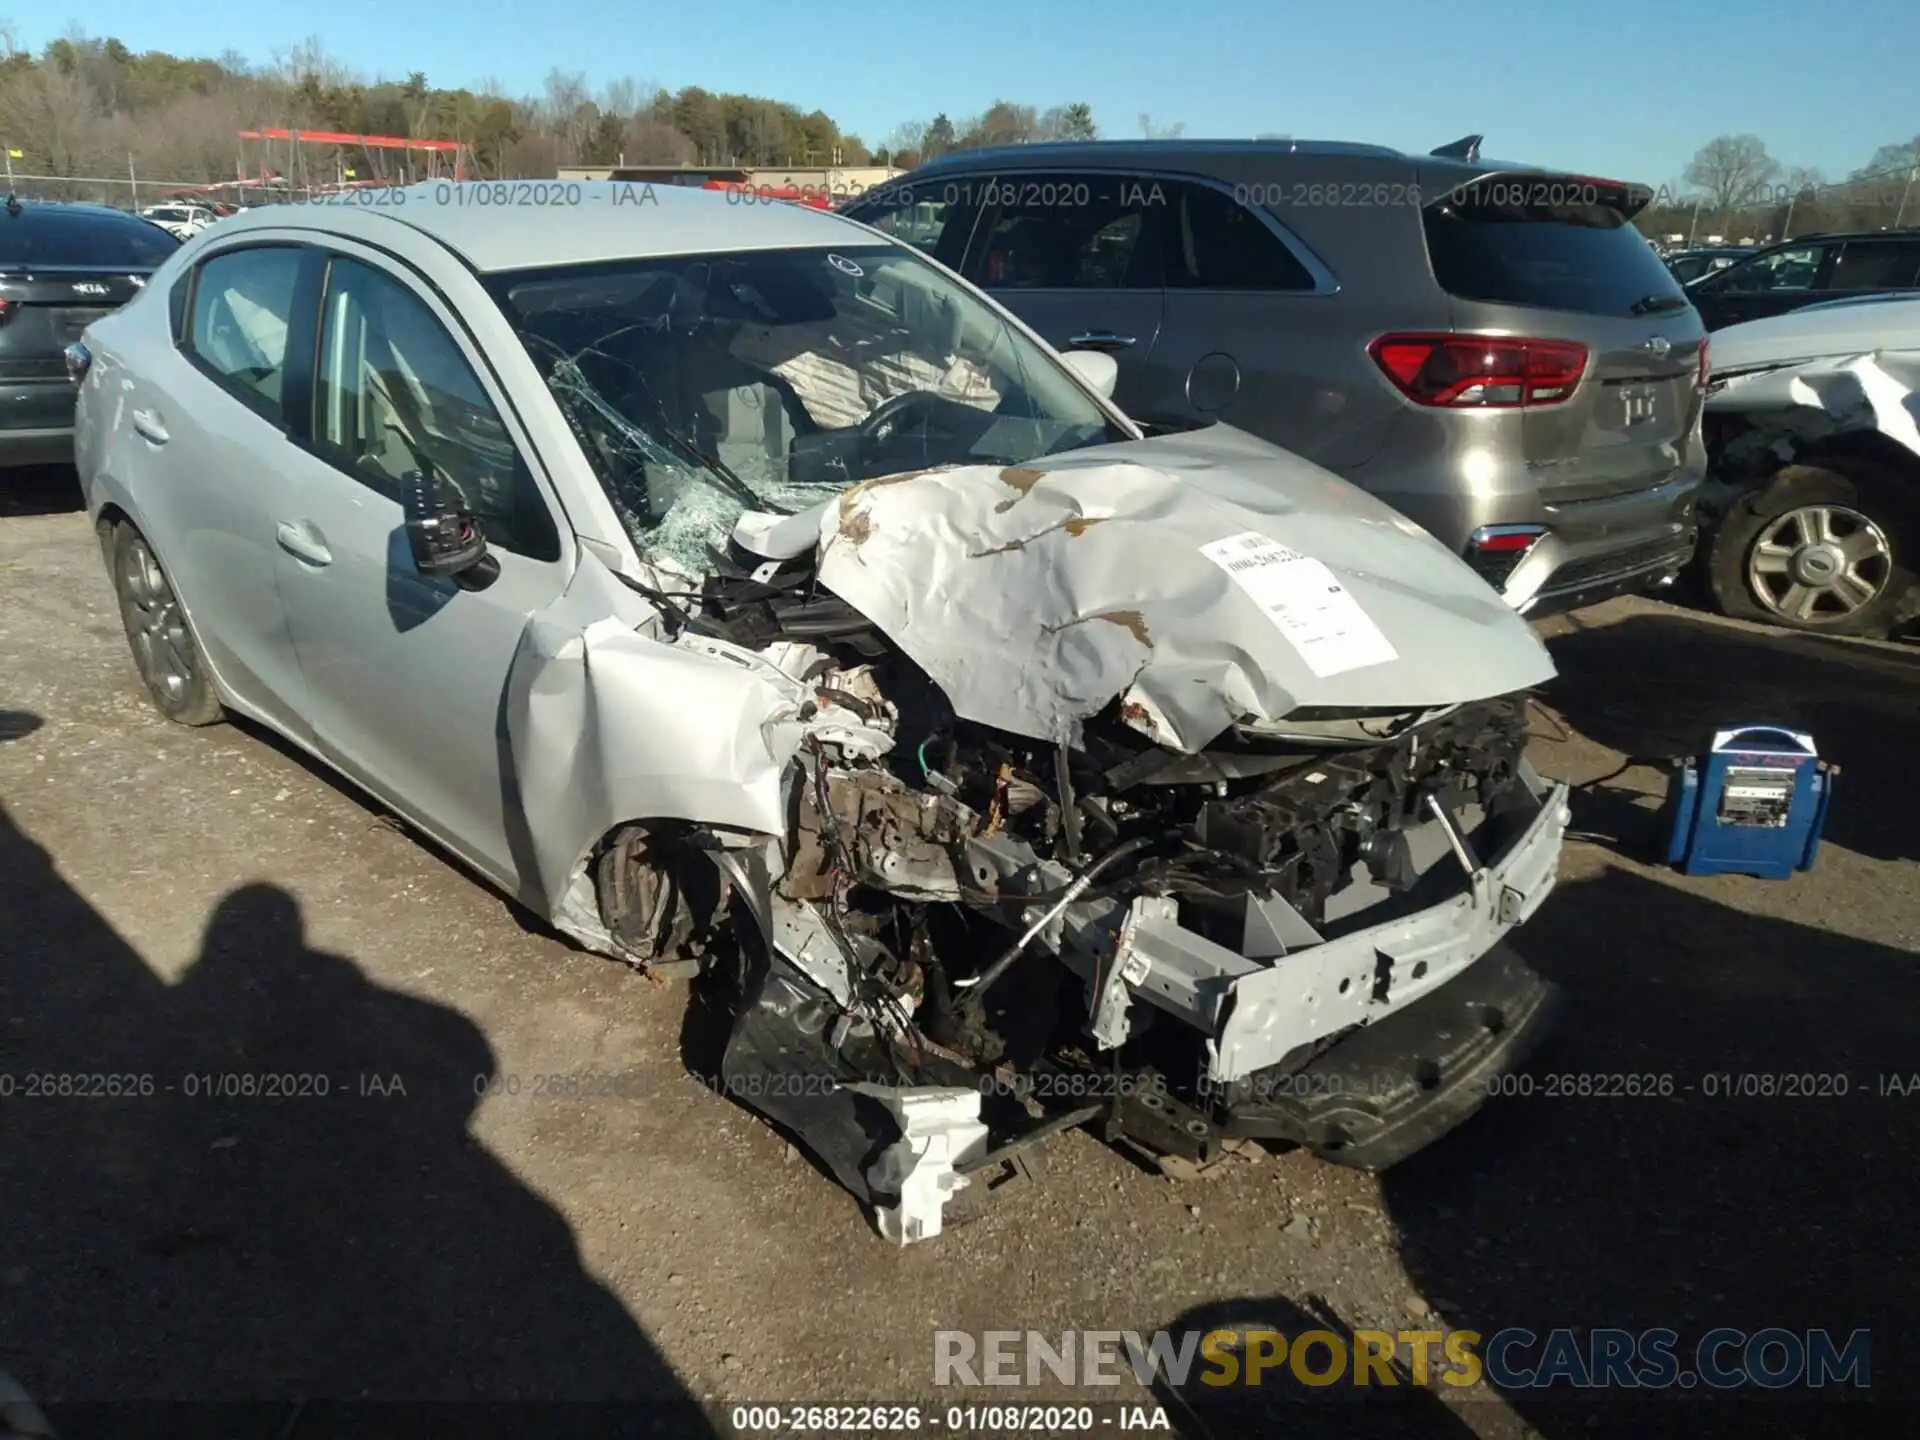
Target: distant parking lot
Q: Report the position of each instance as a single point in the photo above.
(186, 905)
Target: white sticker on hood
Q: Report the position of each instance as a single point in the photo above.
(1304, 600)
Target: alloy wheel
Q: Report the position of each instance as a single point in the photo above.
(162, 645)
(1819, 564)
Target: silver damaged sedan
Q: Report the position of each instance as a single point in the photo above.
(749, 597)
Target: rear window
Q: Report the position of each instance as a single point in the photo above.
(1554, 244)
(44, 235)
(1876, 265)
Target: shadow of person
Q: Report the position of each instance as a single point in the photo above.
(1722, 1132)
(257, 1187)
(1659, 686)
(1228, 1393)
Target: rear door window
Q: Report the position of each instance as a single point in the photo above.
(82, 239)
(1551, 244)
(242, 310)
(1213, 242)
(1067, 232)
(1876, 265)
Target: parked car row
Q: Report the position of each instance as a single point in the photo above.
(1266, 284)
(1503, 364)
(181, 220)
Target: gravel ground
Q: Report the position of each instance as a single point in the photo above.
(182, 903)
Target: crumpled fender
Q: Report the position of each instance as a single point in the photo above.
(1832, 395)
(606, 722)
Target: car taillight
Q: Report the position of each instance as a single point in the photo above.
(1701, 372)
(1495, 551)
(7, 307)
(1480, 371)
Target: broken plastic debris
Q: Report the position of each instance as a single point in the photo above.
(940, 1128)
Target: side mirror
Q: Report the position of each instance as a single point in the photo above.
(444, 539)
(1097, 368)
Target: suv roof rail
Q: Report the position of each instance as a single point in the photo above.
(1178, 145)
(1904, 230)
(1467, 147)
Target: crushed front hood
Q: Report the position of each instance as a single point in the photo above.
(1206, 580)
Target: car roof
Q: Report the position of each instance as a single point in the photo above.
(68, 207)
(1827, 236)
(1183, 151)
(1107, 151)
(525, 224)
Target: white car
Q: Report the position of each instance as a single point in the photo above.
(747, 595)
(185, 221)
(1812, 423)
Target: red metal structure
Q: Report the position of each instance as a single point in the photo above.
(455, 153)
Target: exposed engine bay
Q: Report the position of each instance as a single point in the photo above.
(969, 939)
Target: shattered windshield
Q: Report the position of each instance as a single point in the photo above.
(702, 387)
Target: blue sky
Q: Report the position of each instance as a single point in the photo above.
(1630, 88)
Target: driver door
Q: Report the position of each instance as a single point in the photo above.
(406, 673)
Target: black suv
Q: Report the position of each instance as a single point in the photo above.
(1806, 269)
(61, 268)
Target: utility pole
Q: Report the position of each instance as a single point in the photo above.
(1901, 213)
(1694, 228)
(133, 181)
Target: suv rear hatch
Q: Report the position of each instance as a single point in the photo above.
(1557, 258)
(60, 270)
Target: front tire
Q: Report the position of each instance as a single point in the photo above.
(1819, 548)
(164, 650)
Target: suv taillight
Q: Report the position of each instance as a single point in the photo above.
(1700, 375)
(1480, 371)
(1495, 551)
(7, 307)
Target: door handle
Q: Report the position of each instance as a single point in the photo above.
(300, 543)
(148, 425)
(1099, 340)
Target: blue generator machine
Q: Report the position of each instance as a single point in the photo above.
(1754, 804)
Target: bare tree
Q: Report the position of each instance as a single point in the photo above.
(654, 142)
(1901, 155)
(1732, 171)
(55, 119)
(621, 98)
(912, 136)
(1151, 131)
